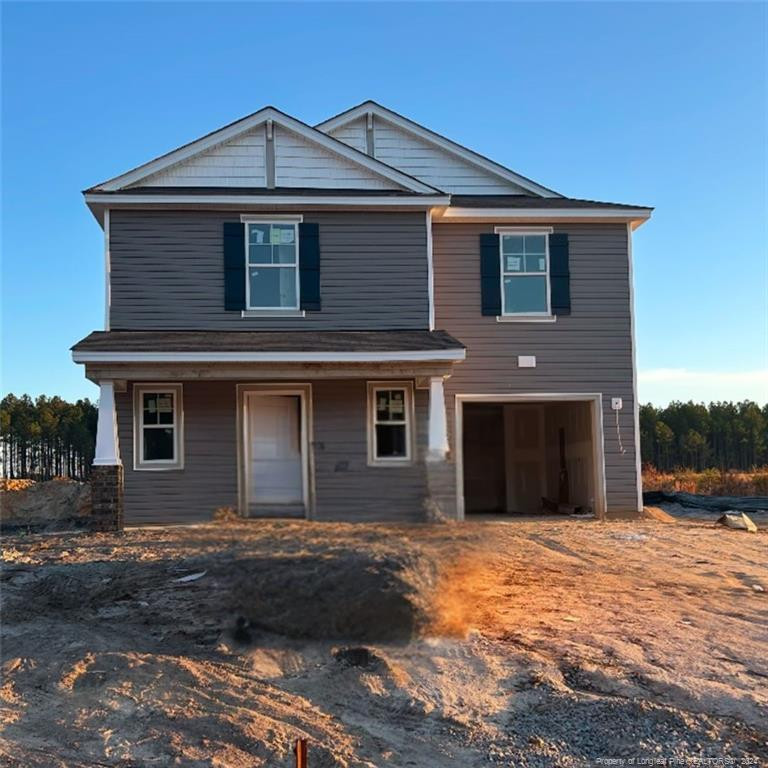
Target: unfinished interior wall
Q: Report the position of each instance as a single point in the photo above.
(575, 419)
(516, 454)
(484, 465)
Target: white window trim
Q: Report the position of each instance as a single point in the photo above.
(546, 316)
(397, 461)
(271, 220)
(158, 465)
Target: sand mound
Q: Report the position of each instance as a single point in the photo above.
(51, 505)
(344, 595)
(657, 514)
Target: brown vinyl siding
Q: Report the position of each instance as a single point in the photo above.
(345, 487)
(209, 477)
(167, 272)
(589, 351)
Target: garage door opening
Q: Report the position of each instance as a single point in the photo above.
(529, 457)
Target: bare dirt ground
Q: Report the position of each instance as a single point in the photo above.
(541, 643)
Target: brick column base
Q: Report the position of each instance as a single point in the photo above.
(440, 503)
(106, 497)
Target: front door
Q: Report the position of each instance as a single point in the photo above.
(274, 469)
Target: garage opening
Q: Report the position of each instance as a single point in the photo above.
(524, 458)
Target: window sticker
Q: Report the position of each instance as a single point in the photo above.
(165, 403)
(274, 236)
(286, 236)
(513, 263)
(542, 264)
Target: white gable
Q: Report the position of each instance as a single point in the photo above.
(426, 155)
(244, 153)
(236, 163)
(352, 133)
(300, 162)
(433, 165)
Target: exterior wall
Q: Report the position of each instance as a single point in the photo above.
(348, 489)
(588, 351)
(209, 477)
(352, 133)
(167, 272)
(237, 163)
(302, 163)
(345, 487)
(433, 165)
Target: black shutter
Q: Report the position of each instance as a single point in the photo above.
(559, 274)
(490, 274)
(309, 267)
(234, 266)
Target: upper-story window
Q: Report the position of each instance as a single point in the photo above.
(273, 268)
(525, 286)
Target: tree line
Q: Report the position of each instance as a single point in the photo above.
(691, 435)
(47, 437)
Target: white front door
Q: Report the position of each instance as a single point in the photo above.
(275, 473)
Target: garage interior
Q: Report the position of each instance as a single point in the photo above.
(517, 455)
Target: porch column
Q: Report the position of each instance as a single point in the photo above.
(107, 448)
(107, 469)
(438, 424)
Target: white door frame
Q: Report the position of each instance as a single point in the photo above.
(598, 438)
(304, 393)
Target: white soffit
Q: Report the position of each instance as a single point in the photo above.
(435, 159)
(444, 355)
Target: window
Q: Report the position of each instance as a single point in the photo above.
(158, 438)
(273, 271)
(390, 406)
(525, 273)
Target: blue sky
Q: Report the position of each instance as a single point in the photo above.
(656, 104)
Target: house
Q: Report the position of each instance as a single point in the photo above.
(360, 320)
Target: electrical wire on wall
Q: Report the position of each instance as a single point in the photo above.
(622, 449)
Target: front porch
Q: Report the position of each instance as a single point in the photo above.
(325, 439)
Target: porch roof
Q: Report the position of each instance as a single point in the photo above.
(268, 346)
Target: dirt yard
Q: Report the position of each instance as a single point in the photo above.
(542, 643)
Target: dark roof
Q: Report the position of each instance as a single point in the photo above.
(293, 191)
(530, 201)
(267, 341)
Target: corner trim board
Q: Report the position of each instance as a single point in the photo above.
(636, 403)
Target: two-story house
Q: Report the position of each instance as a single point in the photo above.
(360, 320)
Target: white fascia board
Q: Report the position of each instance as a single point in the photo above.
(458, 214)
(250, 122)
(446, 355)
(437, 140)
(269, 201)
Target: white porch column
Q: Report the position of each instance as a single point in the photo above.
(107, 448)
(438, 423)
